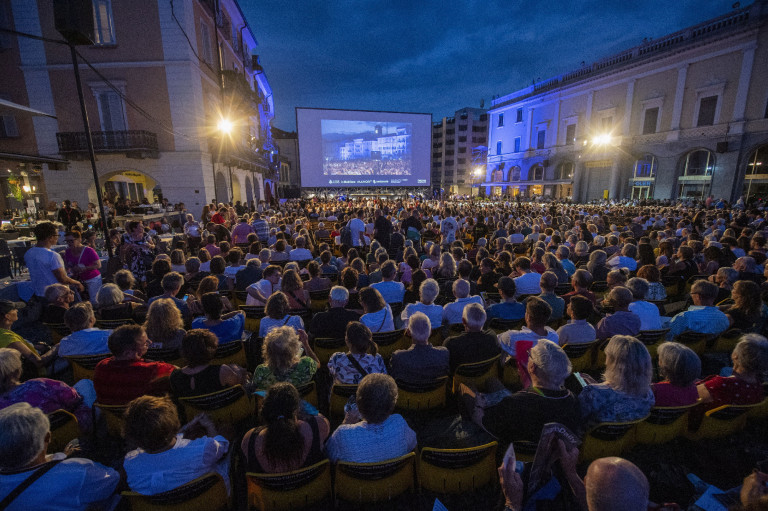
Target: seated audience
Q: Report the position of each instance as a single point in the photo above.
(333, 322)
(84, 339)
(9, 314)
(125, 375)
(248, 275)
(537, 313)
(422, 362)
(748, 312)
(227, 327)
(125, 280)
(111, 305)
(277, 315)
(200, 376)
(526, 280)
(648, 312)
(193, 275)
(316, 282)
(625, 394)
(656, 290)
(283, 359)
(362, 357)
(391, 291)
(72, 483)
(454, 311)
(578, 329)
(377, 313)
(548, 283)
(288, 440)
(293, 288)
(474, 345)
(168, 456)
(580, 282)
(702, 317)
(164, 324)
(58, 297)
(259, 292)
(621, 321)
(509, 308)
(372, 433)
(428, 292)
(679, 368)
(160, 267)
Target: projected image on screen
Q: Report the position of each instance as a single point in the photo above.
(365, 148)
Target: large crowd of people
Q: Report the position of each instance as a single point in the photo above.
(465, 281)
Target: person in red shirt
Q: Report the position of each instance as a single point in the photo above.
(220, 217)
(125, 376)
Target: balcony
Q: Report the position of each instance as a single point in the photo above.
(134, 143)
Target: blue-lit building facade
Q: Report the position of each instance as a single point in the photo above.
(681, 116)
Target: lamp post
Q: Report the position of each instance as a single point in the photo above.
(478, 172)
(225, 128)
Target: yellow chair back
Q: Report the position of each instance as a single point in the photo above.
(372, 483)
(421, 396)
(298, 489)
(64, 429)
(206, 493)
(457, 470)
(476, 373)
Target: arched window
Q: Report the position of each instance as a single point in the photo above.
(699, 163)
(514, 174)
(536, 173)
(498, 176)
(758, 161)
(564, 170)
(646, 166)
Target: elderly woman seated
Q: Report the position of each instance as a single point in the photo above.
(72, 483)
(287, 441)
(744, 386)
(428, 292)
(679, 368)
(59, 298)
(545, 401)
(48, 395)
(126, 375)
(622, 321)
(227, 327)
(372, 433)
(168, 456)
(362, 357)
(626, 393)
(200, 376)
(84, 339)
(277, 315)
(283, 360)
(111, 305)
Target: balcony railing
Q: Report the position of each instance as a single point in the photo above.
(134, 143)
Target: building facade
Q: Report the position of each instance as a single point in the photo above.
(459, 145)
(682, 116)
(287, 142)
(179, 106)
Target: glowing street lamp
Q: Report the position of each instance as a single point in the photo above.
(475, 175)
(225, 126)
(602, 139)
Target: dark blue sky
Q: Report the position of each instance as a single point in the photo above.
(438, 56)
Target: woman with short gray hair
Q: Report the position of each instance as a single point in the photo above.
(428, 292)
(372, 433)
(625, 394)
(73, 483)
(679, 368)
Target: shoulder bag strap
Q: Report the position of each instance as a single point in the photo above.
(37, 474)
(299, 300)
(357, 365)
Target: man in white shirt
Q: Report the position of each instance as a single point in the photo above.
(452, 313)
(537, 313)
(300, 253)
(259, 292)
(391, 291)
(527, 282)
(650, 318)
(45, 266)
(357, 227)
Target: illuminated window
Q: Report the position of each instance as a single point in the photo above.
(699, 163)
(103, 25)
(646, 167)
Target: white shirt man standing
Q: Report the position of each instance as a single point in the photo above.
(357, 227)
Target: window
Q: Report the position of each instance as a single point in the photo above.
(606, 123)
(564, 170)
(436, 164)
(449, 163)
(449, 152)
(758, 161)
(462, 149)
(450, 132)
(650, 120)
(541, 136)
(205, 36)
(462, 127)
(519, 117)
(498, 147)
(461, 161)
(517, 144)
(483, 117)
(514, 174)
(463, 139)
(536, 173)
(646, 167)
(111, 111)
(8, 127)
(450, 141)
(436, 155)
(699, 163)
(707, 109)
(570, 134)
(103, 25)
(498, 176)
(501, 120)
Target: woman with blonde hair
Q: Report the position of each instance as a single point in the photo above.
(164, 325)
(283, 360)
(447, 267)
(625, 394)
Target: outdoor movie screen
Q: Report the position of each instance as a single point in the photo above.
(347, 148)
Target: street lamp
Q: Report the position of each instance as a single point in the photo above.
(476, 174)
(225, 128)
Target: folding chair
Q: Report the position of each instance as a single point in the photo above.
(84, 365)
(581, 355)
(652, 339)
(475, 374)
(169, 355)
(339, 396)
(664, 424)
(231, 353)
(115, 418)
(723, 421)
(370, 483)
(299, 489)
(57, 331)
(64, 429)
(457, 470)
(325, 347)
(308, 392)
(727, 341)
(608, 439)
(253, 315)
(510, 376)
(228, 406)
(206, 493)
(416, 397)
(599, 288)
(503, 325)
(319, 300)
(696, 341)
(111, 324)
(562, 289)
(389, 342)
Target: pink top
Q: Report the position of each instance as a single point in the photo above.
(87, 257)
(672, 395)
(240, 233)
(213, 250)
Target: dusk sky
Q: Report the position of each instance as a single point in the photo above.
(436, 57)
